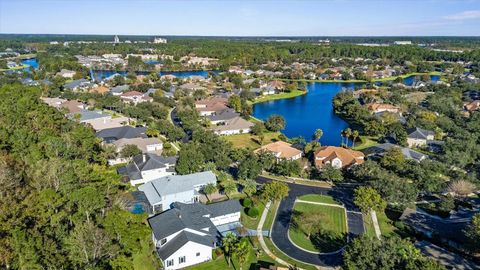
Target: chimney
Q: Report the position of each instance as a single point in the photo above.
(144, 157)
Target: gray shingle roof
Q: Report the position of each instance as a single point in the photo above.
(119, 89)
(419, 133)
(155, 189)
(128, 132)
(407, 152)
(180, 240)
(76, 83)
(224, 115)
(151, 162)
(86, 115)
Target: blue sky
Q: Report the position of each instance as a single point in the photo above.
(242, 18)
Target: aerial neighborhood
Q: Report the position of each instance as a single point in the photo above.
(136, 152)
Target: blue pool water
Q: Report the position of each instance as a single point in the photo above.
(31, 62)
(304, 114)
(137, 209)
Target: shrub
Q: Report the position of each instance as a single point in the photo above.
(247, 202)
(252, 212)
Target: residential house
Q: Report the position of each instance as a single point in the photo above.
(73, 106)
(119, 89)
(211, 105)
(277, 85)
(419, 137)
(337, 157)
(135, 97)
(146, 145)
(78, 85)
(382, 107)
(223, 116)
(472, 105)
(191, 87)
(163, 192)
(381, 149)
(187, 234)
(235, 125)
(147, 167)
(108, 122)
(100, 90)
(65, 73)
(281, 150)
(358, 93)
(85, 116)
(110, 135)
(444, 257)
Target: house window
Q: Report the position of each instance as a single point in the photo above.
(170, 262)
(198, 254)
(163, 241)
(181, 259)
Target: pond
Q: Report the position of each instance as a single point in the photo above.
(304, 114)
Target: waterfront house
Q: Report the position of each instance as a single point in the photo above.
(187, 234)
(277, 85)
(383, 107)
(419, 137)
(147, 166)
(281, 150)
(337, 157)
(65, 73)
(163, 192)
(236, 125)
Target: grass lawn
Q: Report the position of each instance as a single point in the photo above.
(270, 216)
(386, 226)
(251, 141)
(284, 95)
(318, 198)
(366, 142)
(220, 262)
(252, 223)
(433, 73)
(286, 258)
(146, 259)
(332, 222)
(368, 225)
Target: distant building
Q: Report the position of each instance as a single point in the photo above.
(159, 40)
(116, 39)
(403, 42)
(65, 73)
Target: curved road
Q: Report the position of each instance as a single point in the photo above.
(279, 233)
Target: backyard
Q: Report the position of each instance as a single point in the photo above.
(251, 141)
(328, 227)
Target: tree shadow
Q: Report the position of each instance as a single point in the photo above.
(328, 241)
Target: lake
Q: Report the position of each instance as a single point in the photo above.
(304, 114)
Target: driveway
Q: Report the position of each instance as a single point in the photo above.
(279, 233)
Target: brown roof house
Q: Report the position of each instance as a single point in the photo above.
(383, 107)
(338, 157)
(472, 106)
(277, 84)
(211, 105)
(281, 150)
(100, 90)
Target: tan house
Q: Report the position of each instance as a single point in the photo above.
(281, 150)
(383, 107)
(278, 85)
(338, 157)
(359, 92)
(100, 90)
(472, 106)
(211, 106)
(135, 97)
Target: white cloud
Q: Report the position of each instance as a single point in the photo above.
(466, 15)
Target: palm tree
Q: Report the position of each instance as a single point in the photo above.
(348, 133)
(342, 133)
(209, 189)
(229, 187)
(241, 251)
(318, 134)
(249, 187)
(355, 136)
(228, 243)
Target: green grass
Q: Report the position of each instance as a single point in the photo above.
(368, 225)
(333, 223)
(145, 259)
(15, 68)
(251, 141)
(270, 216)
(386, 226)
(286, 258)
(366, 142)
(284, 95)
(220, 262)
(305, 182)
(318, 198)
(433, 73)
(252, 223)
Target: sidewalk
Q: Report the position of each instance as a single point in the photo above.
(376, 226)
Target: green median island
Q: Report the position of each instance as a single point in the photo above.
(318, 228)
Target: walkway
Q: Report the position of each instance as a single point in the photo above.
(279, 232)
(378, 233)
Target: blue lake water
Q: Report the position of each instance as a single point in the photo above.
(32, 62)
(304, 114)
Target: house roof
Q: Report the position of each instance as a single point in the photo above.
(214, 104)
(419, 133)
(145, 162)
(347, 156)
(122, 132)
(276, 84)
(141, 143)
(194, 216)
(281, 149)
(86, 115)
(76, 83)
(234, 124)
(171, 184)
(132, 94)
(100, 89)
(381, 106)
(224, 115)
(473, 105)
(119, 89)
(447, 258)
(73, 106)
(407, 152)
(181, 239)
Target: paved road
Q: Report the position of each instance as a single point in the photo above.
(279, 233)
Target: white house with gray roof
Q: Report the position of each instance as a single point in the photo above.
(187, 234)
(163, 192)
(147, 167)
(419, 136)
